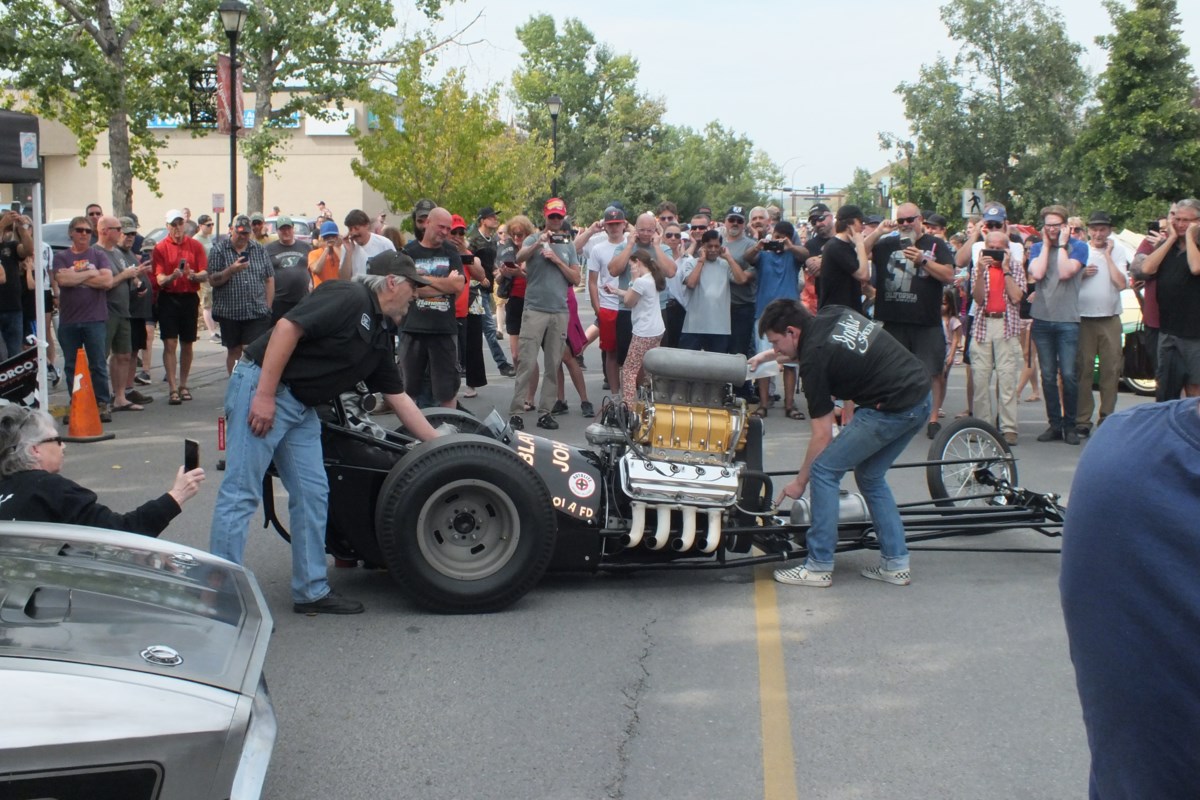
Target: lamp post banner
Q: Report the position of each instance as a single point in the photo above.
(223, 97)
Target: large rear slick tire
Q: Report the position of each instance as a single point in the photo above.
(465, 526)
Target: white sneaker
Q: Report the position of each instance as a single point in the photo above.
(803, 576)
(899, 577)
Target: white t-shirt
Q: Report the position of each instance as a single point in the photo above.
(601, 254)
(647, 317)
(1097, 295)
(375, 245)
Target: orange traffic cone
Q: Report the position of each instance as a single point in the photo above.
(85, 416)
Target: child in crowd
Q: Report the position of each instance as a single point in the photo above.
(952, 326)
(648, 325)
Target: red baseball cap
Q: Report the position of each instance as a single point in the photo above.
(555, 206)
(457, 222)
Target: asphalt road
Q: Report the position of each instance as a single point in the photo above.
(717, 684)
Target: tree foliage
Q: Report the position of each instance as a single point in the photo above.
(1004, 111)
(1140, 149)
(100, 66)
(440, 141)
(612, 141)
(862, 192)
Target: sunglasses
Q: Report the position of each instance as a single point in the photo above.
(735, 220)
(82, 230)
(906, 220)
(994, 226)
(55, 439)
(96, 214)
(673, 235)
(698, 228)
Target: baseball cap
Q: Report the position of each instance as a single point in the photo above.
(994, 212)
(849, 212)
(937, 220)
(457, 222)
(555, 205)
(423, 207)
(614, 214)
(173, 215)
(1100, 218)
(203, 219)
(393, 262)
(328, 228)
(486, 212)
(284, 222)
(257, 217)
(872, 219)
(128, 225)
(818, 210)
(736, 211)
(242, 224)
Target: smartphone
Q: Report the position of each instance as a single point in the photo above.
(1153, 227)
(191, 455)
(996, 255)
(906, 243)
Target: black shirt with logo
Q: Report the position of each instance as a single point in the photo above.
(347, 339)
(838, 286)
(905, 292)
(845, 355)
(292, 278)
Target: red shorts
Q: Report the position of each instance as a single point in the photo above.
(607, 319)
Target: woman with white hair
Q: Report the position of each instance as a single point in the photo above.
(31, 488)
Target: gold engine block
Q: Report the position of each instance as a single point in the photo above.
(691, 433)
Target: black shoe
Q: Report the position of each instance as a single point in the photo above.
(1070, 436)
(1050, 435)
(1084, 431)
(931, 430)
(134, 396)
(516, 422)
(587, 409)
(560, 407)
(507, 370)
(548, 422)
(605, 385)
(332, 603)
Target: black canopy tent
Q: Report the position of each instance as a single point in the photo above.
(20, 163)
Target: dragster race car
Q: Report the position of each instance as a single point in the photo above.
(470, 522)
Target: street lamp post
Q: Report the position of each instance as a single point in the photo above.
(554, 104)
(233, 16)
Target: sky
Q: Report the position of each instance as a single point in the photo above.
(810, 84)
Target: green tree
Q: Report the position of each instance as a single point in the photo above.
(438, 140)
(863, 193)
(99, 67)
(1005, 111)
(1140, 149)
(302, 56)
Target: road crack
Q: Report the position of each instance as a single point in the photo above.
(633, 693)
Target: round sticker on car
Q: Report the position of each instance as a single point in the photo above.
(582, 484)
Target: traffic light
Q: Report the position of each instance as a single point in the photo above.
(822, 188)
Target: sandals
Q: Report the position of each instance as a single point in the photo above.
(129, 407)
(184, 394)
(793, 413)
(761, 412)
(174, 400)
(467, 395)
(530, 406)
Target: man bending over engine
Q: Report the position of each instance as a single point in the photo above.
(843, 354)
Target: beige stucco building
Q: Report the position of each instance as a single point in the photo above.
(316, 167)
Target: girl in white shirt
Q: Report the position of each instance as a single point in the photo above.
(648, 326)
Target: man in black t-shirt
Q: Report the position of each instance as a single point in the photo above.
(910, 273)
(340, 334)
(844, 264)
(844, 355)
(289, 257)
(429, 334)
(820, 222)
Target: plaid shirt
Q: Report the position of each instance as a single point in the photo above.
(1012, 311)
(244, 297)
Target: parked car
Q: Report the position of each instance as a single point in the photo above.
(56, 235)
(132, 669)
(305, 227)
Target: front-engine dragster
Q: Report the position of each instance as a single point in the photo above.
(471, 521)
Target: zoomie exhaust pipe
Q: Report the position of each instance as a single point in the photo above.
(713, 539)
(687, 537)
(663, 531)
(637, 526)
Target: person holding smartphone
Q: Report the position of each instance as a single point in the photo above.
(180, 266)
(997, 286)
(32, 489)
(243, 281)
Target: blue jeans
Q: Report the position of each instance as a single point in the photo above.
(1057, 348)
(12, 331)
(90, 336)
(711, 342)
(489, 330)
(868, 445)
(294, 443)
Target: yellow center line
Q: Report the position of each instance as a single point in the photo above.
(779, 760)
